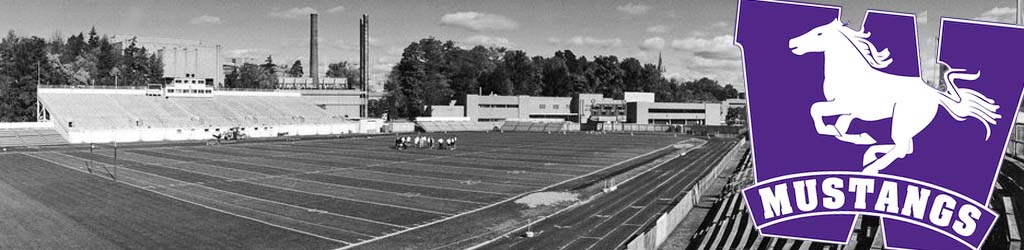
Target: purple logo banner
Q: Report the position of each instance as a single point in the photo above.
(843, 123)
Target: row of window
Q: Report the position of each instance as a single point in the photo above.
(608, 113)
(554, 106)
(499, 105)
(688, 111)
(187, 91)
(189, 81)
(542, 106)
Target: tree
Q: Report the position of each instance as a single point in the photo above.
(522, 73)
(231, 80)
(296, 69)
(256, 77)
(343, 69)
(269, 65)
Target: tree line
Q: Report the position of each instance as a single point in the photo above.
(264, 76)
(434, 72)
(82, 59)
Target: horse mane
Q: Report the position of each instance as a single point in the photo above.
(874, 57)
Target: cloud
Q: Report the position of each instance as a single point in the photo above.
(999, 14)
(719, 47)
(341, 44)
(486, 41)
(712, 57)
(253, 53)
(653, 43)
(294, 13)
(922, 18)
(336, 9)
(634, 9)
(587, 41)
(205, 19)
(658, 29)
(382, 67)
(476, 21)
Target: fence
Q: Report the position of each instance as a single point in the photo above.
(675, 128)
(656, 233)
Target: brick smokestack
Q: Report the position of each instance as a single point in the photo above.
(313, 55)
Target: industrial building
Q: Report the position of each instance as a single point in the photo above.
(635, 107)
(182, 57)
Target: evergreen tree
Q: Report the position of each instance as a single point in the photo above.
(296, 69)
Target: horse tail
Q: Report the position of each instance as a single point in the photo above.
(963, 102)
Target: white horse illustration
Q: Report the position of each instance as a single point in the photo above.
(854, 88)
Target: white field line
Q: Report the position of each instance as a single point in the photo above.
(209, 207)
(507, 200)
(523, 164)
(594, 196)
(716, 170)
(325, 171)
(152, 188)
(267, 165)
(348, 199)
(267, 177)
(669, 179)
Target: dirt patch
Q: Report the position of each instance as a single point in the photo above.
(547, 198)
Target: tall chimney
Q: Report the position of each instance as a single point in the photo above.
(313, 66)
(364, 36)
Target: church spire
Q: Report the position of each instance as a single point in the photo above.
(660, 69)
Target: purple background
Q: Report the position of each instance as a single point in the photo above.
(782, 86)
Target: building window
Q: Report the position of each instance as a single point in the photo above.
(542, 106)
(554, 106)
(499, 105)
(688, 111)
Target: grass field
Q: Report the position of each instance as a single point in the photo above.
(308, 194)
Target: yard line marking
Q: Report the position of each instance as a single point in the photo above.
(699, 159)
(504, 201)
(247, 196)
(325, 171)
(343, 198)
(267, 177)
(211, 208)
(261, 164)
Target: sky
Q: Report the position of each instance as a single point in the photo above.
(694, 37)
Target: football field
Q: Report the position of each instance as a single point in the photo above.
(305, 194)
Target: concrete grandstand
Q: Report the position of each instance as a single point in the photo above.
(129, 115)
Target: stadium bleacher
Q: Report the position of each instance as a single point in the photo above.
(83, 116)
(455, 126)
(539, 126)
(29, 137)
(102, 111)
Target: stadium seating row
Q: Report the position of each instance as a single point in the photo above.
(103, 111)
(453, 126)
(30, 137)
(531, 126)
